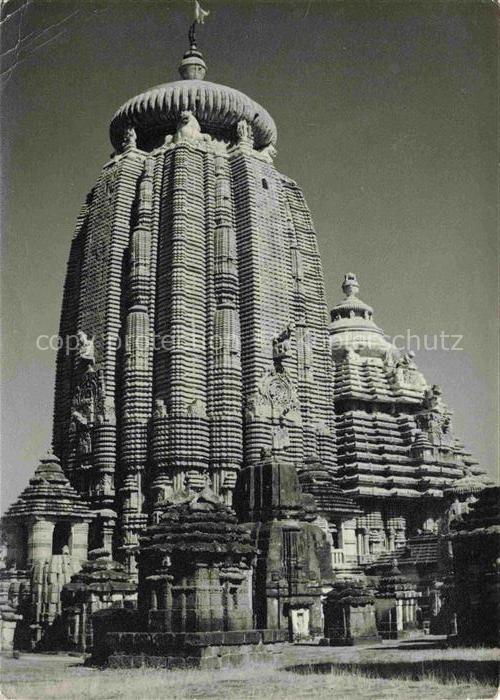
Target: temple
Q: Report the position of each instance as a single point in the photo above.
(226, 462)
(396, 449)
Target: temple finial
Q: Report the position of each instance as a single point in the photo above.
(192, 66)
(350, 285)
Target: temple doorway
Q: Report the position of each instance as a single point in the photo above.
(299, 622)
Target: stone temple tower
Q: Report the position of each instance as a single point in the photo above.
(194, 315)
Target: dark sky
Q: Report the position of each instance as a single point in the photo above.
(386, 118)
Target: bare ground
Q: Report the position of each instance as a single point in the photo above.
(404, 671)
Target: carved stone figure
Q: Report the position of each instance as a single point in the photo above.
(281, 438)
(88, 401)
(406, 373)
(437, 426)
(433, 398)
(84, 446)
(244, 133)
(270, 152)
(85, 349)
(352, 356)
(407, 361)
(282, 345)
(129, 138)
(159, 409)
(188, 128)
(197, 409)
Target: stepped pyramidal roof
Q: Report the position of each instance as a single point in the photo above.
(419, 550)
(394, 432)
(100, 574)
(483, 519)
(49, 493)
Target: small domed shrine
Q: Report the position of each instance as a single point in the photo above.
(47, 536)
(195, 588)
(101, 583)
(396, 602)
(195, 567)
(350, 613)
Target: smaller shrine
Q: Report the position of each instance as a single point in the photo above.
(100, 584)
(195, 589)
(475, 539)
(396, 604)
(195, 567)
(350, 614)
(46, 531)
(294, 557)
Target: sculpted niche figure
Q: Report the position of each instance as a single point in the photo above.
(282, 344)
(85, 349)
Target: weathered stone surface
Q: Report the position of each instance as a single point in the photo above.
(476, 543)
(207, 650)
(397, 453)
(101, 583)
(47, 535)
(293, 562)
(350, 613)
(195, 567)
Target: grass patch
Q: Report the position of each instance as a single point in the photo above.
(345, 674)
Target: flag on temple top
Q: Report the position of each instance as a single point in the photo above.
(200, 13)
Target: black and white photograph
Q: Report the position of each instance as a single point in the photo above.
(249, 350)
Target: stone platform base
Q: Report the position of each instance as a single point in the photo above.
(348, 641)
(206, 650)
(400, 634)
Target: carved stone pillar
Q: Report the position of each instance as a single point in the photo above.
(79, 543)
(107, 535)
(366, 541)
(203, 610)
(40, 541)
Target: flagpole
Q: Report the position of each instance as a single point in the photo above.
(192, 35)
